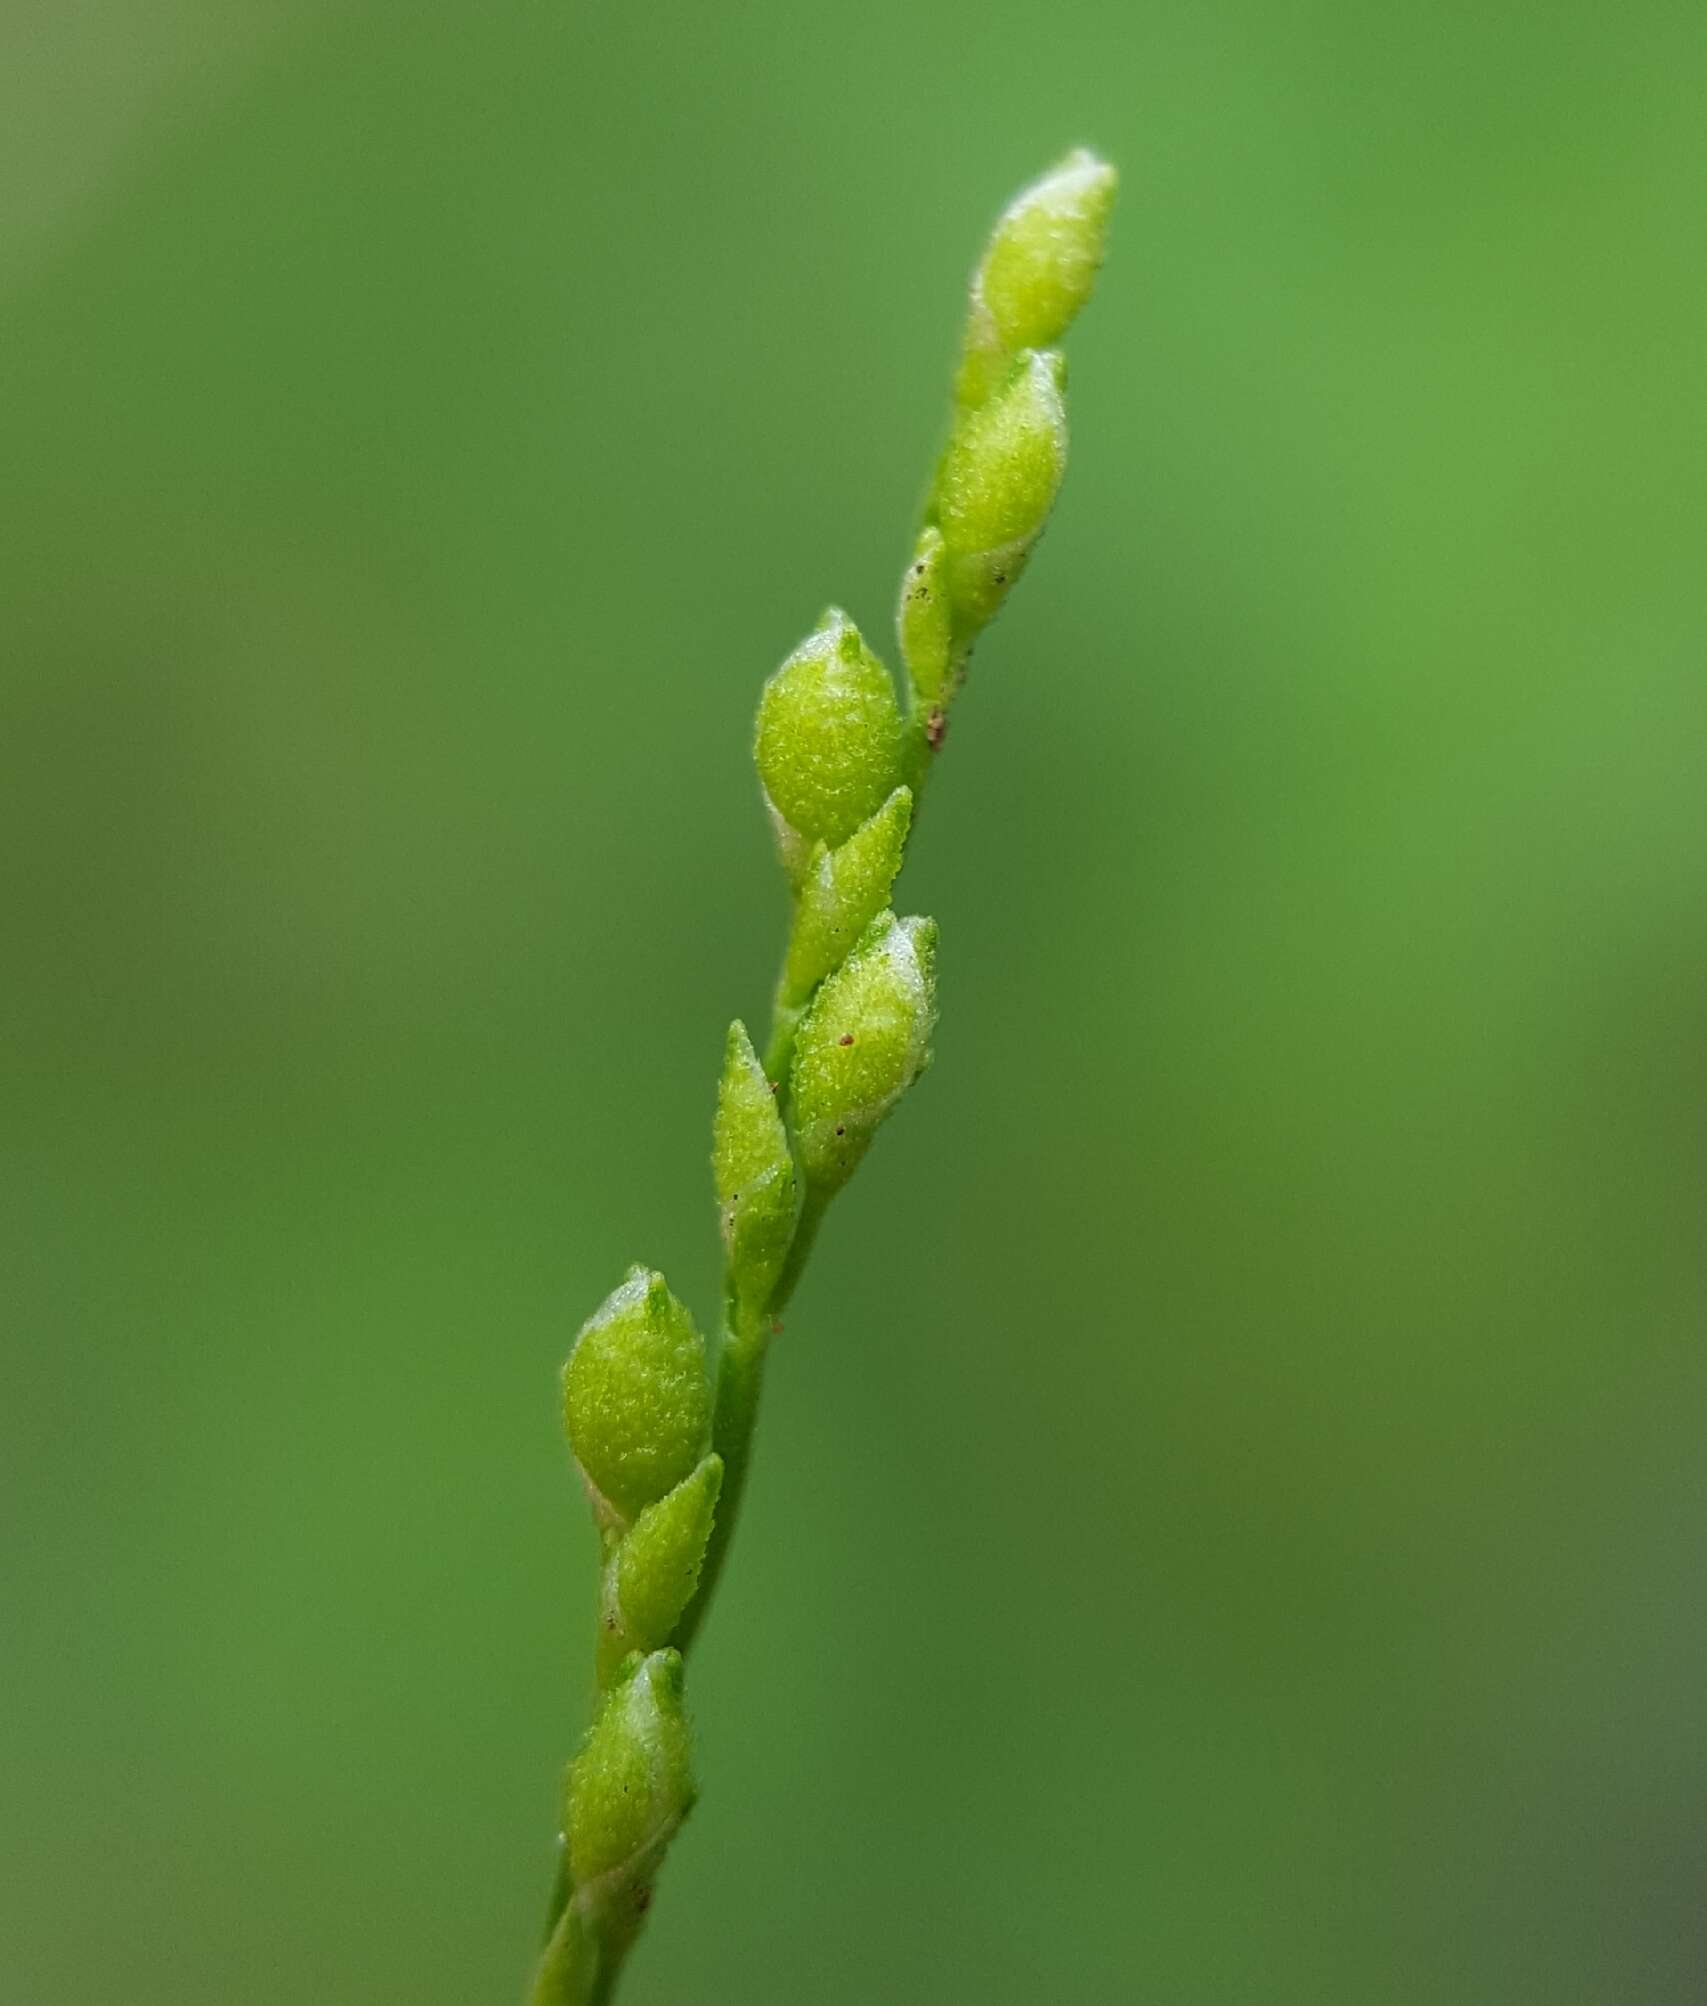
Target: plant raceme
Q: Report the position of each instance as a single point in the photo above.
(661, 1428)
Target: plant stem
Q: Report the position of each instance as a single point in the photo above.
(799, 1251)
(922, 733)
(740, 1379)
(917, 752)
(780, 1051)
(578, 1968)
(837, 761)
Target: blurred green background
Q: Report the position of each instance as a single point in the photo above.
(1229, 1525)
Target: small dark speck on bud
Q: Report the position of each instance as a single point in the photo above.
(845, 1039)
(841, 1131)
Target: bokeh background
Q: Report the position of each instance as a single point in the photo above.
(1230, 1519)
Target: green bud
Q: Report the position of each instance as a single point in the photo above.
(1039, 268)
(997, 484)
(629, 1788)
(754, 1174)
(862, 1044)
(925, 622)
(829, 736)
(842, 893)
(651, 1577)
(635, 1398)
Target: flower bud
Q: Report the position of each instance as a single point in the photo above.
(651, 1577)
(997, 484)
(635, 1398)
(841, 894)
(862, 1044)
(629, 1788)
(829, 735)
(753, 1171)
(1038, 269)
(924, 620)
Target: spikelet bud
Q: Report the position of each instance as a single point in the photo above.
(828, 738)
(753, 1171)
(635, 1398)
(650, 1579)
(629, 1788)
(861, 1045)
(925, 622)
(997, 484)
(1038, 269)
(841, 893)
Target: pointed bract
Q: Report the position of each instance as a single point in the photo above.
(924, 620)
(635, 1399)
(651, 1577)
(861, 1045)
(753, 1170)
(842, 892)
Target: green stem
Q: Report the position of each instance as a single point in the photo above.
(740, 1379)
(811, 1218)
(779, 1053)
(918, 754)
(579, 1967)
(926, 726)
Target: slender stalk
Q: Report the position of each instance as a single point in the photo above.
(665, 1451)
(779, 1049)
(925, 731)
(575, 1970)
(740, 1380)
